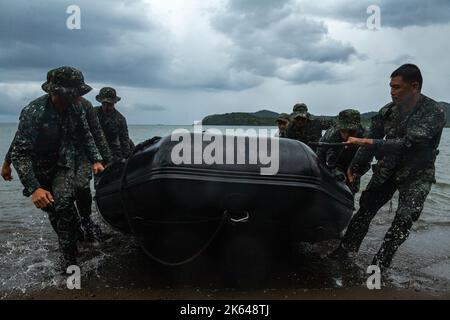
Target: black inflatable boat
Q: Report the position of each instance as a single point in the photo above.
(177, 210)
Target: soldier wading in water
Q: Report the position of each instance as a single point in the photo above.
(51, 131)
(404, 137)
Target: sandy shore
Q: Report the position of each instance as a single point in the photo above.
(358, 293)
(134, 276)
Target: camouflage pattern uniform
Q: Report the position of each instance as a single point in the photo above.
(285, 118)
(405, 163)
(339, 159)
(114, 126)
(43, 151)
(83, 172)
(311, 131)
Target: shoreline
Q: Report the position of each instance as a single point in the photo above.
(357, 293)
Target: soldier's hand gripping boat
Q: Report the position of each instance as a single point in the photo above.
(177, 210)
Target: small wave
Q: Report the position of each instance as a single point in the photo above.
(441, 185)
(425, 223)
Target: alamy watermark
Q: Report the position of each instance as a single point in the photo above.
(374, 280)
(374, 20)
(213, 147)
(74, 280)
(73, 22)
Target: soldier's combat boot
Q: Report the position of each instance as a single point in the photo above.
(340, 253)
(92, 231)
(80, 234)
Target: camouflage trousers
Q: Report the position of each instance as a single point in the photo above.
(82, 185)
(412, 195)
(62, 214)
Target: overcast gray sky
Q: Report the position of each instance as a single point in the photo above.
(176, 61)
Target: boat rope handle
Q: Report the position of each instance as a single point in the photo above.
(327, 144)
(224, 218)
(244, 219)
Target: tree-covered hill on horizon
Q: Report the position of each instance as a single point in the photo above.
(268, 118)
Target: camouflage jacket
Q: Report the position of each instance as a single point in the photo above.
(338, 158)
(96, 131)
(311, 132)
(45, 140)
(116, 132)
(404, 145)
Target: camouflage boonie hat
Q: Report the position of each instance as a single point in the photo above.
(349, 119)
(107, 94)
(284, 117)
(300, 110)
(66, 81)
(300, 107)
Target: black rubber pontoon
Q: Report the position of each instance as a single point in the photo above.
(177, 210)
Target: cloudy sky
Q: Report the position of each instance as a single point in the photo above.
(176, 61)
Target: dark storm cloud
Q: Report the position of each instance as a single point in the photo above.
(44, 22)
(149, 107)
(396, 14)
(270, 35)
(311, 72)
(125, 44)
(111, 43)
(415, 12)
(119, 43)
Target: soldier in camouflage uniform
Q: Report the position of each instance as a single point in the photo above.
(404, 137)
(282, 123)
(44, 151)
(114, 124)
(338, 159)
(83, 172)
(303, 127)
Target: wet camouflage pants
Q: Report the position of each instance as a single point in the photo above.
(62, 215)
(412, 196)
(82, 185)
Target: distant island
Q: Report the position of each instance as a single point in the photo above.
(260, 118)
(268, 118)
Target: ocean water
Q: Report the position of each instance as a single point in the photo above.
(29, 251)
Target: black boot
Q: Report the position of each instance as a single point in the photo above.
(80, 234)
(340, 253)
(92, 231)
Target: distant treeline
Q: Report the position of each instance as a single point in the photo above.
(268, 118)
(260, 118)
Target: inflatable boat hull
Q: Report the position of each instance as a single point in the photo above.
(158, 201)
